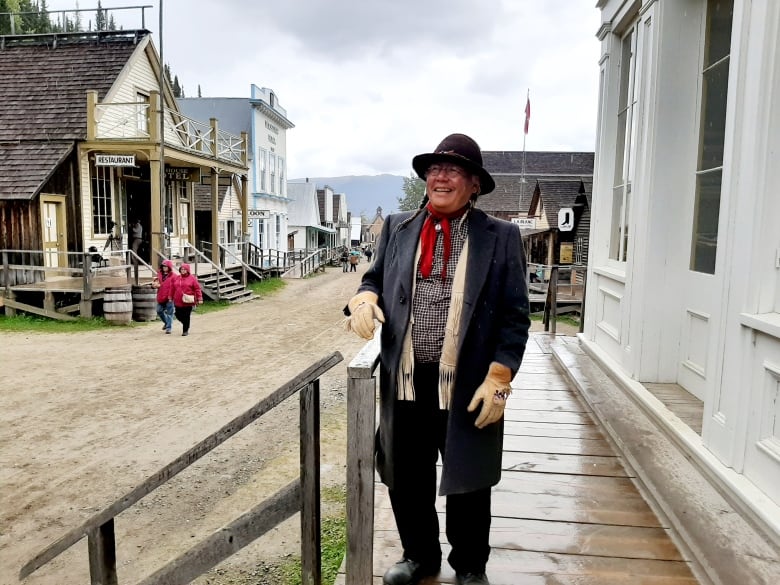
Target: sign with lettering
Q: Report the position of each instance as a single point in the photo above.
(566, 219)
(114, 160)
(182, 174)
(525, 223)
(259, 213)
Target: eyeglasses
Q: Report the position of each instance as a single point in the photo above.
(450, 171)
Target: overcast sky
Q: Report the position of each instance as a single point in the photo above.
(370, 83)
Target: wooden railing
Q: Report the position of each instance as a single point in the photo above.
(301, 495)
(544, 281)
(361, 426)
(140, 121)
(309, 264)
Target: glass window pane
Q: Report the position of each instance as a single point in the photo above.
(706, 215)
(719, 16)
(715, 88)
(617, 223)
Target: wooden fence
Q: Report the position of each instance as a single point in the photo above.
(301, 495)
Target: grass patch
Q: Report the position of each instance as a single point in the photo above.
(334, 541)
(266, 286)
(34, 323)
(561, 319)
(212, 306)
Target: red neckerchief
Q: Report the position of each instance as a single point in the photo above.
(428, 238)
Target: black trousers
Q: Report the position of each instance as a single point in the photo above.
(420, 435)
(183, 314)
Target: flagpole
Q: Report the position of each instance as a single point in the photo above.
(525, 127)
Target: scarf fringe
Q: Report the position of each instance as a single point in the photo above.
(449, 354)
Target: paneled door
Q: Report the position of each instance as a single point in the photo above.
(55, 243)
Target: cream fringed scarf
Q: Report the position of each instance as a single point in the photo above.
(448, 361)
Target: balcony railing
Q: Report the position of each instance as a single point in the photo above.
(140, 121)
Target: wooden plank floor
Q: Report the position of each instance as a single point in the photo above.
(682, 403)
(566, 512)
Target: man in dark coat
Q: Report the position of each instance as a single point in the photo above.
(449, 284)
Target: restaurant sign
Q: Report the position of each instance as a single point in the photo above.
(114, 160)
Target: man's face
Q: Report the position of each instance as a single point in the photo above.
(449, 186)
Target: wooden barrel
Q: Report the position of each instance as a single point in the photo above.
(118, 306)
(144, 303)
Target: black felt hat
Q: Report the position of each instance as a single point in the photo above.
(457, 149)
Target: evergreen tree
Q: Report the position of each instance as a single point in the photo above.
(414, 191)
(112, 23)
(199, 94)
(100, 18)
(176, 87)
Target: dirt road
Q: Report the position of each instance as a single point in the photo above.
(86, 417)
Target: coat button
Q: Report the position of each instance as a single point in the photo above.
(402, 300)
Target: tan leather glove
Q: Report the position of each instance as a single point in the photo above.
(493, 393)
(363, 310)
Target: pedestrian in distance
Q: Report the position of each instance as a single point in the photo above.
(136, 236)
(164, 283)
(344, 260)
(187, 295)
(354, 258)
(368, 253)
(448, 282)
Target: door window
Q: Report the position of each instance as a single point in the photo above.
(712, 134)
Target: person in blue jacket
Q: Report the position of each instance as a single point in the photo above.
(448, 282)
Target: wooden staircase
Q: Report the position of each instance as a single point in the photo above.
(221, 286)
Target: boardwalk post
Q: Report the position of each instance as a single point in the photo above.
(311, 563)
(102, 554)
(553, 298)
(361, 425)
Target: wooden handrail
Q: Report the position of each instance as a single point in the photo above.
(99, 528)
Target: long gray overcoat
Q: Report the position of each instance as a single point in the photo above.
(496, 318)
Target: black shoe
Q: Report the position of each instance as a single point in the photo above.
(408, 572)
(471, 579)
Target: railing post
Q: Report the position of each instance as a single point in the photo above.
(102, 555)
(311, 537)
(361, 426)
(554, 297)
(153, 114)
(92, 99)
(6, 275)
(582, 306)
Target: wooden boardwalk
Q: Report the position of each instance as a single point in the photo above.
(566, 510)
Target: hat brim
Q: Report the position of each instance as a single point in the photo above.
(421, 162)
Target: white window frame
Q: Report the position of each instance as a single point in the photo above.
(626, 142)
(712, 173)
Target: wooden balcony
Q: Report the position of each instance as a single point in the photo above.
(140, 122)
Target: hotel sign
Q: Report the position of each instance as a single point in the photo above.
(114, 160)
(182, 174)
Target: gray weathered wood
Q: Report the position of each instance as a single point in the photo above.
(361, 425)
(311, 538)
(101, 543)
(230, 539)
(313, 372)
(8, 302)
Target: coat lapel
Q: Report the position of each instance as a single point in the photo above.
(402, 265)
(482, 242)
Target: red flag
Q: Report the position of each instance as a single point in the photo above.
(527, 114)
